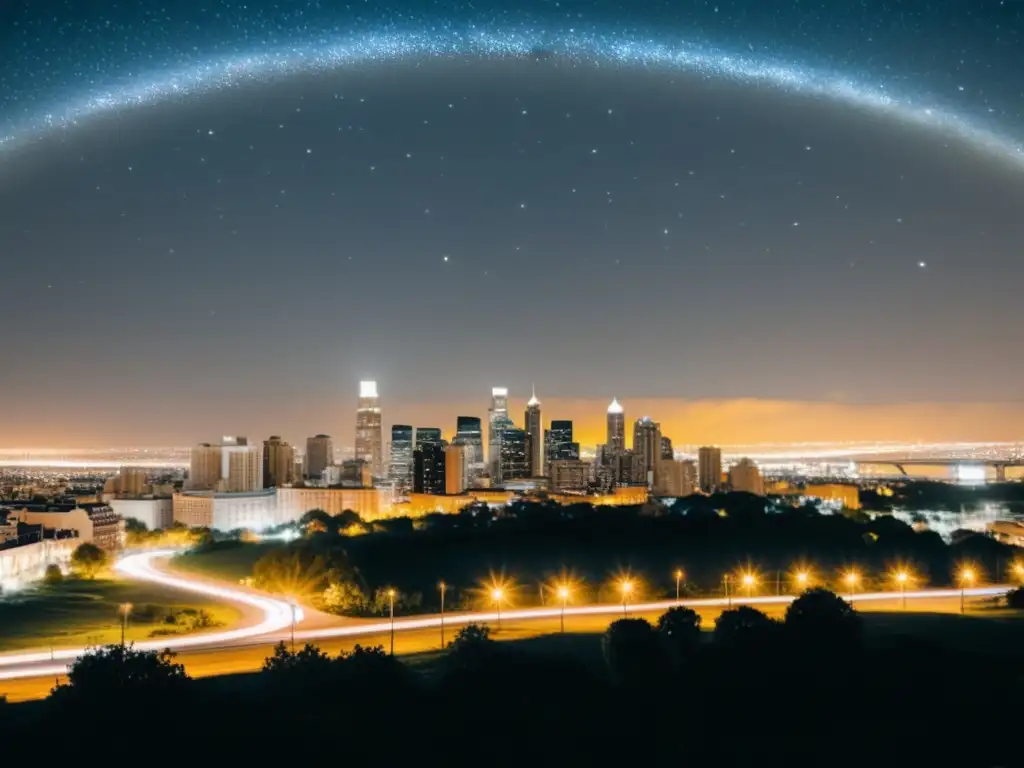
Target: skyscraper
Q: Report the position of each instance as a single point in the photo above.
(401, 466)
(278, 463)
(369, 437)
(319, 455)
(428, 436)
(709, 468)
(616, 440)
(666, 449)
(428, 468)
(514, 459)
(536, 432)
(455, 475)
(647, 446)
(497, 420)
(469, 435)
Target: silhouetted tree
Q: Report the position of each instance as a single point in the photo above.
(632, 651)
(1015, 598)
(821, 620)
(679, 628)
(118, 673)
(744, 627)
(88, 560)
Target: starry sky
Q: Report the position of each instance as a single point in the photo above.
(756, 220)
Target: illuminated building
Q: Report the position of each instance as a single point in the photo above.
(469, 435)
(569, 475)
(241, 466)
(616, 432)
(455, 469)
(129, 481)
(560, 445)
(278, 463)
(428, 475)
(745, 477)
(514, 458)
(836, 494)
(351, 473)
(154, 513)
(619, 468)
(666, 448)
(95, 524)
(319, 455)
(647, 446)
(369, 437)
(255, 510)
(400, 468)
(709, 468)
(676, 478)
(497, 420)
(428, 436)
(204, 467)
(536, 432)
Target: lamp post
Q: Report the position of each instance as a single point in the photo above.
(126, 608)
(902, 577)
(391, 608)
(496, 594)
(563, 593)
(851, 580)
(443, 587)
(291, 604)
(679, 579)
(967, 576)
(627, 587)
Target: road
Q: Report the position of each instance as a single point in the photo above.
(29, 675)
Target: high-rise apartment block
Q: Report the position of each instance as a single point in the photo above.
(709, 467)
(241, 466)
(369, 434)
(319, 455)
(278, 463)
(647, 446)
(204, 467)
(676, 478)
(745, 477)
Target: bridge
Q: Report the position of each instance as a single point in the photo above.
(999, 465)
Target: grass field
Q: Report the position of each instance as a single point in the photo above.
(231, 562)
(79, 613)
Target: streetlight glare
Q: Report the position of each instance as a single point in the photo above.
(852, 577)
(497, 593)
(563, 592)
(902, 577)
(626, 586)
(679, 573)
(802, 577)
(748, 579)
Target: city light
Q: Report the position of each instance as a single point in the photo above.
(1018, 570)
(679, 581)
(902, 577)
(626, 587)
(967, 578)
(852, 579)
(803, 578)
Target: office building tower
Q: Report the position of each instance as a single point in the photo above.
(514, 459)
(319, 455)
(401, 465)
(569, 475)
(469, 435)
(647, 446)
(535, 430)
(428, 468)
(745, 477)
(616, 433)
(561, 445)
(676, 478)
(204, 467)
(278, 463)
(497, 420)
(428, 436)
(369, 435)
(241, 466)
(709, 468)
(354, 473)
(455, 470)
(666, 448)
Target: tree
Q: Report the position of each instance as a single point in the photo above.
(821, 620)
(318, 521)
(344, 597)
(53, 574)
(679, 628)
(632, 650)
(744, 627)
(308, 664)
(472, 645)
(116, 673)
(1015, 598)
(88, 560)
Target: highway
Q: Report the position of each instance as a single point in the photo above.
(243, 648)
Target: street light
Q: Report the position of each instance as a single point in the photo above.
(497, 594)
(391, 606)
(443, 587)
(749, 580)
(902, 577)
(679, 579)
(967, 576)
(803, 578)
(126, 608)
(851, 578)
(563, 593)
(627, 589)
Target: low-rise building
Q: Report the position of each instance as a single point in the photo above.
(253, 510)
(95, 524)
(152, 512)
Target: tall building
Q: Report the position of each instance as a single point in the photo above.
(428, 468)
(278, 463)
(497, 420)
(204, 467)
(319, 455)
(369, 436)
(745, 477)
(469, 435)
(401, 466)
(616, 440)
(455, 470)
(514, 459)
(536, 432)
(666, 448)
(676, 478)
(131, 481)
(709, 468)
(560, 444)
(647, 445)
(241, 466)
(569, 475)
(428, 436)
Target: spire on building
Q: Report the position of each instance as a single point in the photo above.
(533, 397)
(615, 407)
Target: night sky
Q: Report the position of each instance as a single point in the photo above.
(217, 217)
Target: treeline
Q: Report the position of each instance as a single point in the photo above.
(807, 691)
(533, 544)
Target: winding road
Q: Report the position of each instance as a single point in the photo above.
(277, 615)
